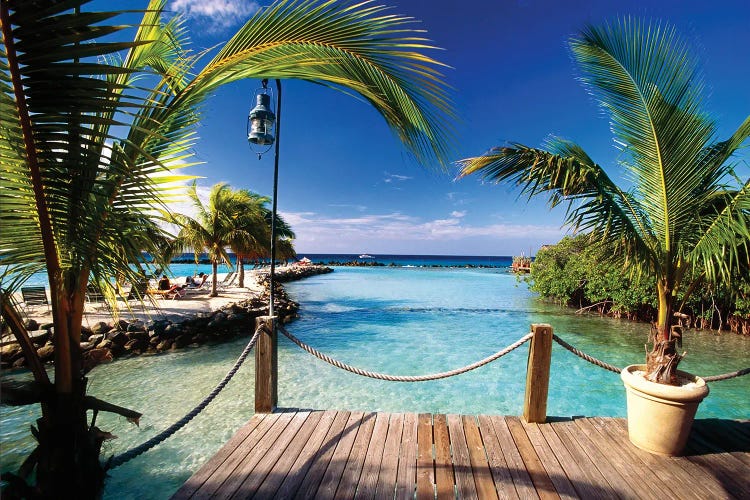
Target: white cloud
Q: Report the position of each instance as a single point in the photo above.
(216, 15)
(458, 214)
(392, 232)
(396, 177)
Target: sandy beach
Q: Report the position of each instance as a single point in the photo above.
(192, 304)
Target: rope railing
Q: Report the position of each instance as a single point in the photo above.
(168, 432)
(585, 356)
(403, 378)
(612, 368)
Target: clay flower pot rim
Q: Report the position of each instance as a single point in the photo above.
(696, 390)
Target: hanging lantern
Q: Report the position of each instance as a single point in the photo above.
(261, 120)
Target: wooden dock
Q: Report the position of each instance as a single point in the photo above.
(339, 454)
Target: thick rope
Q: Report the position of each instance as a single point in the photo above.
(167, 433)
(727, 376)
(612, 368)
(585, 356)
(403, 378)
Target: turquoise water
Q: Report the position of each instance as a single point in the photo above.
(394, 320)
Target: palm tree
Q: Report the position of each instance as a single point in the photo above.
(217, 225)
(686, 217)
(94, 127)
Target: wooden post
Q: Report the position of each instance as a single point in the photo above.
(537, 374)
(266, 366)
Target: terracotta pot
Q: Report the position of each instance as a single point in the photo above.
(660, 416)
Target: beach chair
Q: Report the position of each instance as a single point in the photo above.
(34, 296)
(227, 281)
(138, 290)
(95, 297)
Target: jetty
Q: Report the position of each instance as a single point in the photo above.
(341, 454)
(316, 453)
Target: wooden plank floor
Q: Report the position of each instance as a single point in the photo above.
(339, 454)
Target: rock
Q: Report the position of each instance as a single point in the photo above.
(46, 326)
(86, 346)
(104, 344)
(10, 351)
(159, 326)
(136, 326)
(31, 325)
(39, 336)
(95, 357)
(135, 345)
(46, 352)
(122, 325)
(181, 341)
(100, 327)
(19, 363)
(117, 337)
(164, 345)
(171, 331)
(85, 333)
(95, 339)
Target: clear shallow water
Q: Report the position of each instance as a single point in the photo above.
(394, 320)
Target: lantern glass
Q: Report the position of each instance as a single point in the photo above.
(261, 122)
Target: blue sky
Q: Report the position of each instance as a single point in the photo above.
(348, 186)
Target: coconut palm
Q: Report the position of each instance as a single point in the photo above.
(214, 227)
(682, 213)
(94, 126)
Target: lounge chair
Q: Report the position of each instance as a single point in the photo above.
(34, 296)
(138, 290)
(95, 296)
(227, 281)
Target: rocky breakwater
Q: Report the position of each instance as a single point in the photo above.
(106, 341)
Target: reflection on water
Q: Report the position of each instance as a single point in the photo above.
(400, 321)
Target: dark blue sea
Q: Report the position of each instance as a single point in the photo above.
(412, 260)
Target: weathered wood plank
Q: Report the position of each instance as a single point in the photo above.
(444, 482)
(465, 486)
(255, 475)
(322, 457)
(727, 435)
(556, 473)
(637, 481)
(516, 466)
(386, 486)
(353, 470)
(251, 459)
(335, 470)
(588, 456)
(541, 481)
(537, 374)
(407, 466)
(669, 476)
(499, 468)
(212, 465)
(284, 464)
(425, 467)
(731, 472)
(480, 467)
(302, 454)
(373, 457)
(235, 458)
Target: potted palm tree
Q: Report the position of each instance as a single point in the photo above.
(683, 217)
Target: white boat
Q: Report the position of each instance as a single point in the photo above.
(365, 256)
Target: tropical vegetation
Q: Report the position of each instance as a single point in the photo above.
(236, 220)
(95, 127)
(579, 274)
(681, 215)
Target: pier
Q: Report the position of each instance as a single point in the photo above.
(312, 453)
(339, 454)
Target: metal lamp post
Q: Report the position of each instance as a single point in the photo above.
(260, 125)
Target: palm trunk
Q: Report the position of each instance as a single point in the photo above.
(241, 271)
(214, 272)
(662, 361)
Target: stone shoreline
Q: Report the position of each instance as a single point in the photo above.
(106, 341)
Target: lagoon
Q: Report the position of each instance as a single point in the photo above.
(396, 320)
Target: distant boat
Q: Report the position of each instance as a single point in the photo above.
(365, 256)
